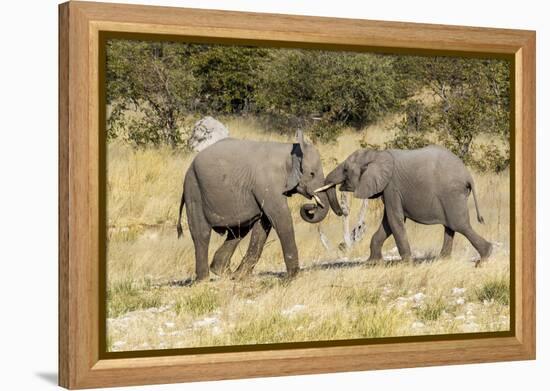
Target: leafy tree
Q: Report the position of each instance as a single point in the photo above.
(155, 79)
(338, 89)
(226, 77)
(155, 88)
(472, 98)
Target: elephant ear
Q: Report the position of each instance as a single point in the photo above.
(297, 155)
(376, 176)
(295, 172)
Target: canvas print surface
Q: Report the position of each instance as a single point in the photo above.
(275, 195)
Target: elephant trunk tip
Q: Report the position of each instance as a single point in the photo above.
(180, 230)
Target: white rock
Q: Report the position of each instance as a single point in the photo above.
(118, 344)
(205, 322)
(417, 325)
(293, 310)
(460, 301)
(458, 291)
(418, 297)
(206, 132)
(169, 324)
(469, 327)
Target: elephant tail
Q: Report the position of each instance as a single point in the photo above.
(473, 190)
(178, 227)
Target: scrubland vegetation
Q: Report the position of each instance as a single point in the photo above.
(153, 304)
(342, 101)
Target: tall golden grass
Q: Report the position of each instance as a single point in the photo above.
(338, 296)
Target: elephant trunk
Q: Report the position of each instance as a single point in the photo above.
(314, 213)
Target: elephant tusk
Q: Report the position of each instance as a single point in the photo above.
(318, 200)
(323, 188)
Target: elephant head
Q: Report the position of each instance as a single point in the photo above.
(366, 173)
(305, 174)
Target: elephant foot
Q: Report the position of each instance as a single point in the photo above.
(292, 273)
(219, 270)
(201, 278)
(241, 273)
(444, 255)
(486, 254)
(373, 261)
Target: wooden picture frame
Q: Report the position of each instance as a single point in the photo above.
(81, 25)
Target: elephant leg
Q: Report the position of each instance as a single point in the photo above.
(281, 220)
(222, 258)
(201, 240)
(199, 227)
(378, 239)
(447, 249)
(396, 220)
(258, 237)
(482, 246)
(458, 216)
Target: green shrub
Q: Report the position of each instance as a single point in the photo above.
(376, 323)
(431, 310)
(198, 303)
(491, 159)
(497, 290)
(126, 296)
(363, 297)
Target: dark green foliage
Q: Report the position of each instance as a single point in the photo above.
(226, 78)
(156, 89)
(324, 131)
(298, 86)
(412, 130)
(154, 78)
(471, 98)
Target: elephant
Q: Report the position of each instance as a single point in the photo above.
(430, 185)
(235, 186)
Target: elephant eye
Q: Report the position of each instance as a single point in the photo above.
(312, 174)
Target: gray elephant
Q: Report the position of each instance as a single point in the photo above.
(430, 185)
(239, 186)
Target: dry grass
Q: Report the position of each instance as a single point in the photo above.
(338, 296)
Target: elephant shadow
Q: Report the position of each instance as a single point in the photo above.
(341, 263)
(344, 263)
